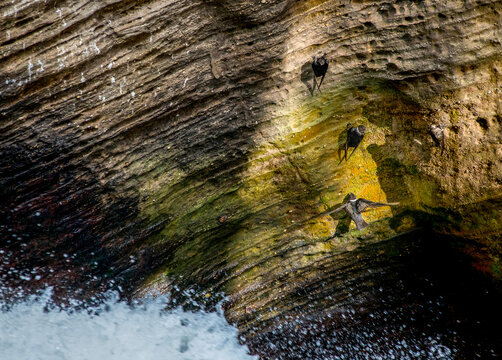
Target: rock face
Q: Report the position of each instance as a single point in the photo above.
(162, 142)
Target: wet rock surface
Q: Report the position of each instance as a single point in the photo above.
(415, 296)
(129, 130)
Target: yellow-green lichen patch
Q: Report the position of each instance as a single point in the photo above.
(292, 175)
(301, 178)
(320, 229)
(454, 116)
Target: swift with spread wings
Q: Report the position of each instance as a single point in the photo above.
(356, 206)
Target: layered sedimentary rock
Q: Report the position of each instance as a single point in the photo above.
(161, 142)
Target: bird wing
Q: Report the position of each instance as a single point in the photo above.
(360, 223)
(362, 204)
(352, 152)
(436, 136)
(329, 212)
(319, 86)
(314, 85)
(336, 210)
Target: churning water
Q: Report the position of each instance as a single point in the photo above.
(35, 329)
(413, 297)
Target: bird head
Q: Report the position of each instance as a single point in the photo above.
(352, 197)
(362, 129)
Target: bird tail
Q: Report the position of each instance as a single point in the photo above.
(361, 225)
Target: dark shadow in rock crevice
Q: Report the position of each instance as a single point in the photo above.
(397, 165)
(56, 228)
(307, 76)
(390, 174)
(343, 218)
(342, 140)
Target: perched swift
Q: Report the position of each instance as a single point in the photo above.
(320, 67)
(354, 137)
(437, 134)
(354, 207)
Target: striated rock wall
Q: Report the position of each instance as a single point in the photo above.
(155, 142)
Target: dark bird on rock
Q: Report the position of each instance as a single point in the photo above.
(354, 137)
(354, 207)
(437, 134)
(320, 67)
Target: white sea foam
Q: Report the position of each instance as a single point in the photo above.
(115, 330)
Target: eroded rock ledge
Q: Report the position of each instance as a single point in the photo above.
(129, 128)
